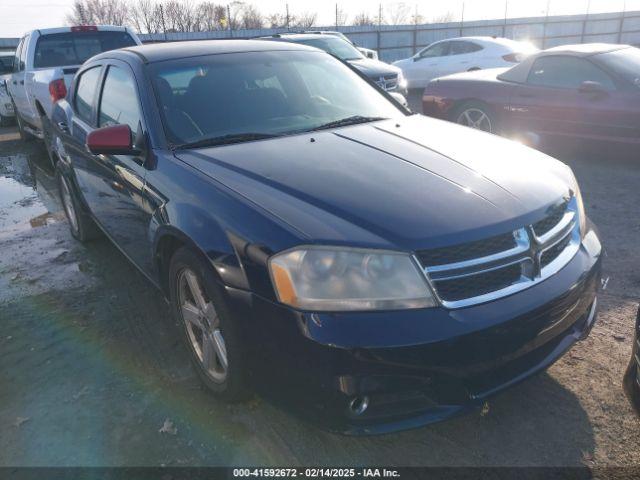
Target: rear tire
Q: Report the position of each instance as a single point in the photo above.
(81, 225)
(476, 115)
(24, 135)
(213, 337)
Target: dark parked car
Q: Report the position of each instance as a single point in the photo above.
(385, 270)
(632, 377)
(576, 92)
(388, 77)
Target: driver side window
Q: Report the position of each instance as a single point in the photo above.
(119, 103)
(563, 71)
(438, 50)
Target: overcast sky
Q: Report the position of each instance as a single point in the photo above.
(18, 16)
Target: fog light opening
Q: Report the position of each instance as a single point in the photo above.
(359, 405)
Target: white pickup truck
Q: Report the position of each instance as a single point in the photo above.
(46, 61)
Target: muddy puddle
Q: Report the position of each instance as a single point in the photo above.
(27, 195)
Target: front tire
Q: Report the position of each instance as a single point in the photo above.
(81, 225)
(212, 335)
(476, 115)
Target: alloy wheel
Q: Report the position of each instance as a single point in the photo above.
(475, 118)
(203, 326)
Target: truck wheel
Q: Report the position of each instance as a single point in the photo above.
(213, 337)
(82, 226)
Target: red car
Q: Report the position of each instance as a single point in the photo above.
(577, 91)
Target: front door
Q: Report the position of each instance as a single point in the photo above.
(553, 102)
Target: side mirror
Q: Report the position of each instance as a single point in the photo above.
(113, 140)
(591, 87)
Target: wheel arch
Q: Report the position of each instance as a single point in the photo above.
(226, 268)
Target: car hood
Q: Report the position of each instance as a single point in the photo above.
(407, 183)
(374, 68)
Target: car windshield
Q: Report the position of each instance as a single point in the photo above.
(625, 62)
(248, 96)
(334, 45)
(73, 48)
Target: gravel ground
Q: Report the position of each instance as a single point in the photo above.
(92, 372)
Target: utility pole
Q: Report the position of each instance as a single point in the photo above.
(584, 23)
(379, 16)
(546, 21)
(504, 25)
(287, 6)
(462, 19)
(229, 20)
(336, 16)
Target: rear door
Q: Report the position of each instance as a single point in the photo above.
(463, 55)
(551, 101)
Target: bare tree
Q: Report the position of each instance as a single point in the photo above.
(212, 16)
(109, 12)
(397, 13)
(276, 20)
(341, 17)
(444, 18)
(305, 20)
(146, 16)
(363, 18)
(251, 18)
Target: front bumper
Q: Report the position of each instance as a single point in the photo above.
(421, 366)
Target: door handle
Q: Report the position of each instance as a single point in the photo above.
(21, 82)
(63, 127)
(15, 82)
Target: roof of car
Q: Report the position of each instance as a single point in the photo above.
(294, 35)
(158, 52)
(583, 50)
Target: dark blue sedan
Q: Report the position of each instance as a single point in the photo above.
(381, 270)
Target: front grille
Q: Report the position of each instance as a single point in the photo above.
(481, 284)
(551, 220)
(467, 251)
(554, 252)
(387, 82)
(483, 270)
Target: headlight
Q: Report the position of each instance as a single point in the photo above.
(575, 189)
(402, 82)
(347, 279)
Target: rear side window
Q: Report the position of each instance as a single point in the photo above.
(567, 72)
(460, 48)
(85, 92)
(119, 103)
(73, 48)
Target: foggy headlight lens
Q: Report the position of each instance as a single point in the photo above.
(343, 279)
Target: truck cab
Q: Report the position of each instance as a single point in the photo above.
(44, 65)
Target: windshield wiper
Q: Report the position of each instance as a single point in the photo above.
(354, 120)
(226, 140)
